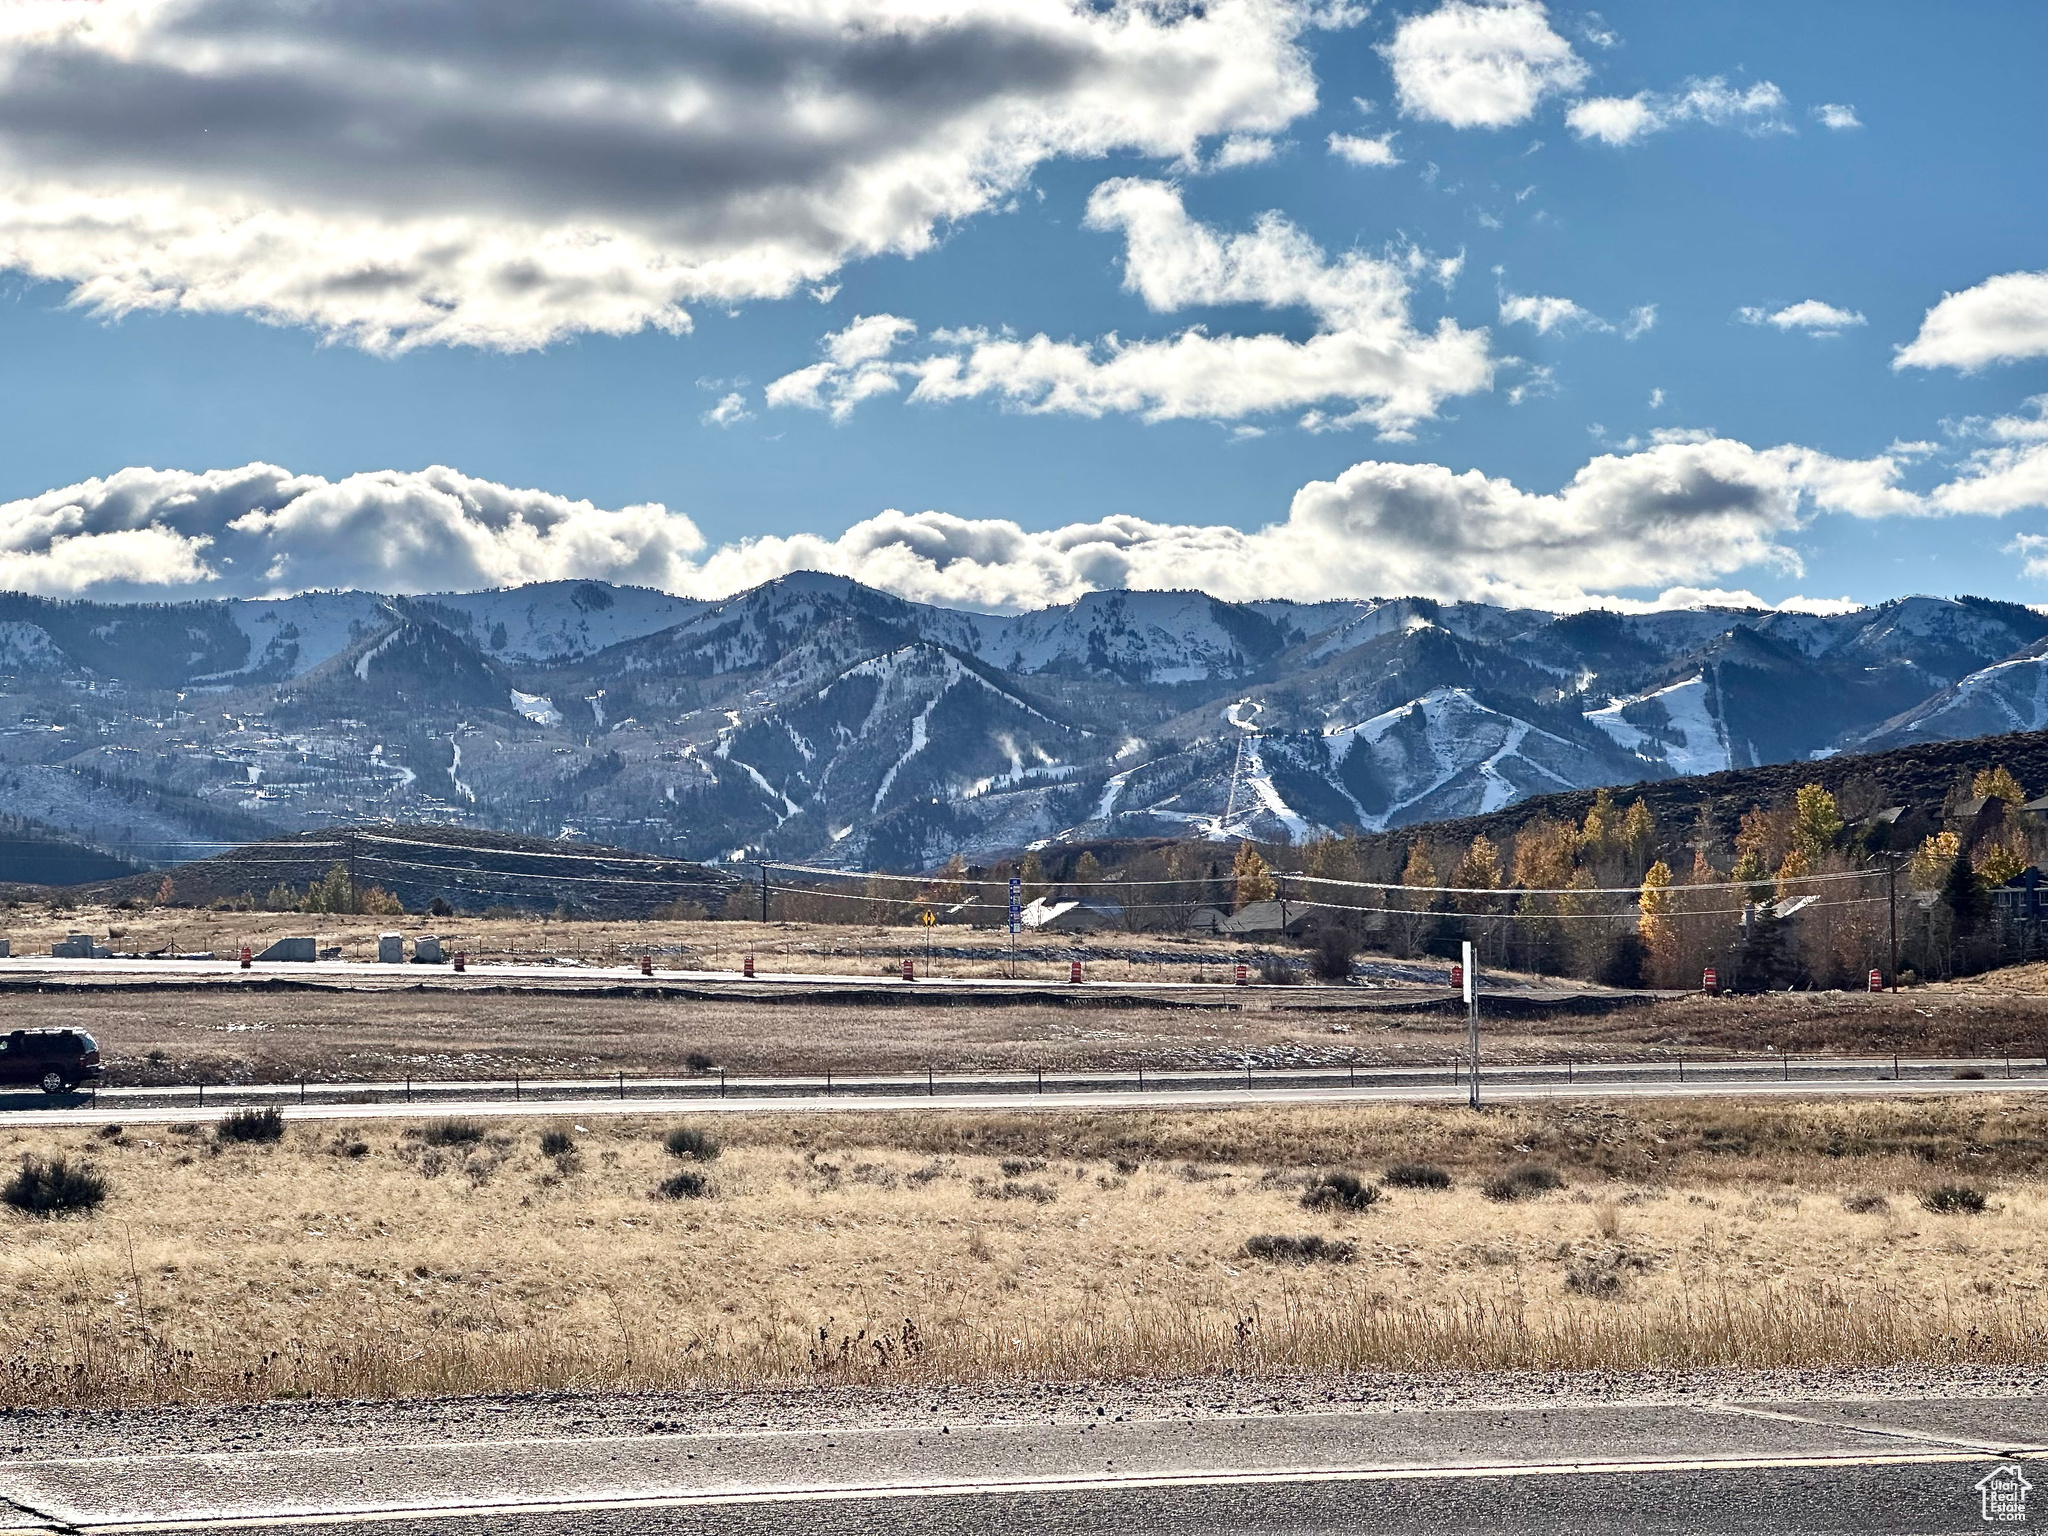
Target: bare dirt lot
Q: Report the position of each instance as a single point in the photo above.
(376, 1260)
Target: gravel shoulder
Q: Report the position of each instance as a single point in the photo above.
(282, 1426)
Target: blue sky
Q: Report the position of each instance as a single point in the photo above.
(1862, 160)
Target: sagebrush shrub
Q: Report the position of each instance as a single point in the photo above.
(687, 1185)
(1866, 1203)
(1523, 1183)
(1339, 1191)
(453, 1132)
(252, 1125)
(556, 1143)
(688, 1141)
(1418, 1176)
(1310, 1249)
(1954, 1200)
(52, 1186)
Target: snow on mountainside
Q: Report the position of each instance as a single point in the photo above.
(557, 619)
(812, 718)
(2010, 695)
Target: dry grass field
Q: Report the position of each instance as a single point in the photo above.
(777, 947)
(370, 1261)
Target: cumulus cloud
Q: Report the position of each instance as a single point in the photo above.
(259, 529)
(2001, 320)
(460, 171)
(1808, 315)
(1675, 514)
(1548, 313)
(1367, 356)
(1480, 65)
(1360, 150)
(730, 411)
(1837, 115)
(2009, 476)
(1626, 119)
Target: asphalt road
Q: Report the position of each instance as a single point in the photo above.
(1903, 1464)
(31, 1108)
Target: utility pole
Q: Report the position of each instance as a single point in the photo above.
(1892, 869)
(1472, 1013)
(764, 890)
(349, 841)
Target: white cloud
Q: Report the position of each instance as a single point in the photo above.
(1242, 149)
(456, 171)
(1363, 151)
(1625, 119)
(260, 529)
(2033, 550)
(1656, 399)
(2011, 476)
(1547, 314)
(730, 411)
(1837, 115)
(1808, 315)
(1676, 513)
(1367, 356)
(2001, 320)
(1480, 65)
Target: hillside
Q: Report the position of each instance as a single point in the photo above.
(467, 870)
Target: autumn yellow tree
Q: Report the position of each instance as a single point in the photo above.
(1653, 920)
(1932, 861)
(1478, 870)
(1997, 781)
(1254, 881)
(1638, 834)
(1815, 824)
(2001, 858)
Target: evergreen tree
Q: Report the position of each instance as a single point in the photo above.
(1965, 897)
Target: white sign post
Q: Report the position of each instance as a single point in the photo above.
(1472, 1013)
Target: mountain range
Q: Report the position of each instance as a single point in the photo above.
(816, 720)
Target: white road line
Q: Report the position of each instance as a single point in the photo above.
(1887, 1431)
(1263, 1477)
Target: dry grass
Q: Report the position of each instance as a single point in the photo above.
(777, 947)
(226, 1034)
(889, 1250)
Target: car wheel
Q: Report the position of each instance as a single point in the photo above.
(53, 1082)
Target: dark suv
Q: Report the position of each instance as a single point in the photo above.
(54, 1060)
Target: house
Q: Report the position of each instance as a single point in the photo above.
(1045, 915)
(1977, 817)
(1207, 920)
(2021, 899)
(1270, 919)
(1895, 829)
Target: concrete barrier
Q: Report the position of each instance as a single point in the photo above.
(77, 946)
(291, 949)
(426, 950)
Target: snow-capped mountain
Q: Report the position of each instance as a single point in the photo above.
(812, 718)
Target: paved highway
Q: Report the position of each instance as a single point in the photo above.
(24, 1108)
(1903, 1464)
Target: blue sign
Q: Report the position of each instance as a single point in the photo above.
(1016, 902)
